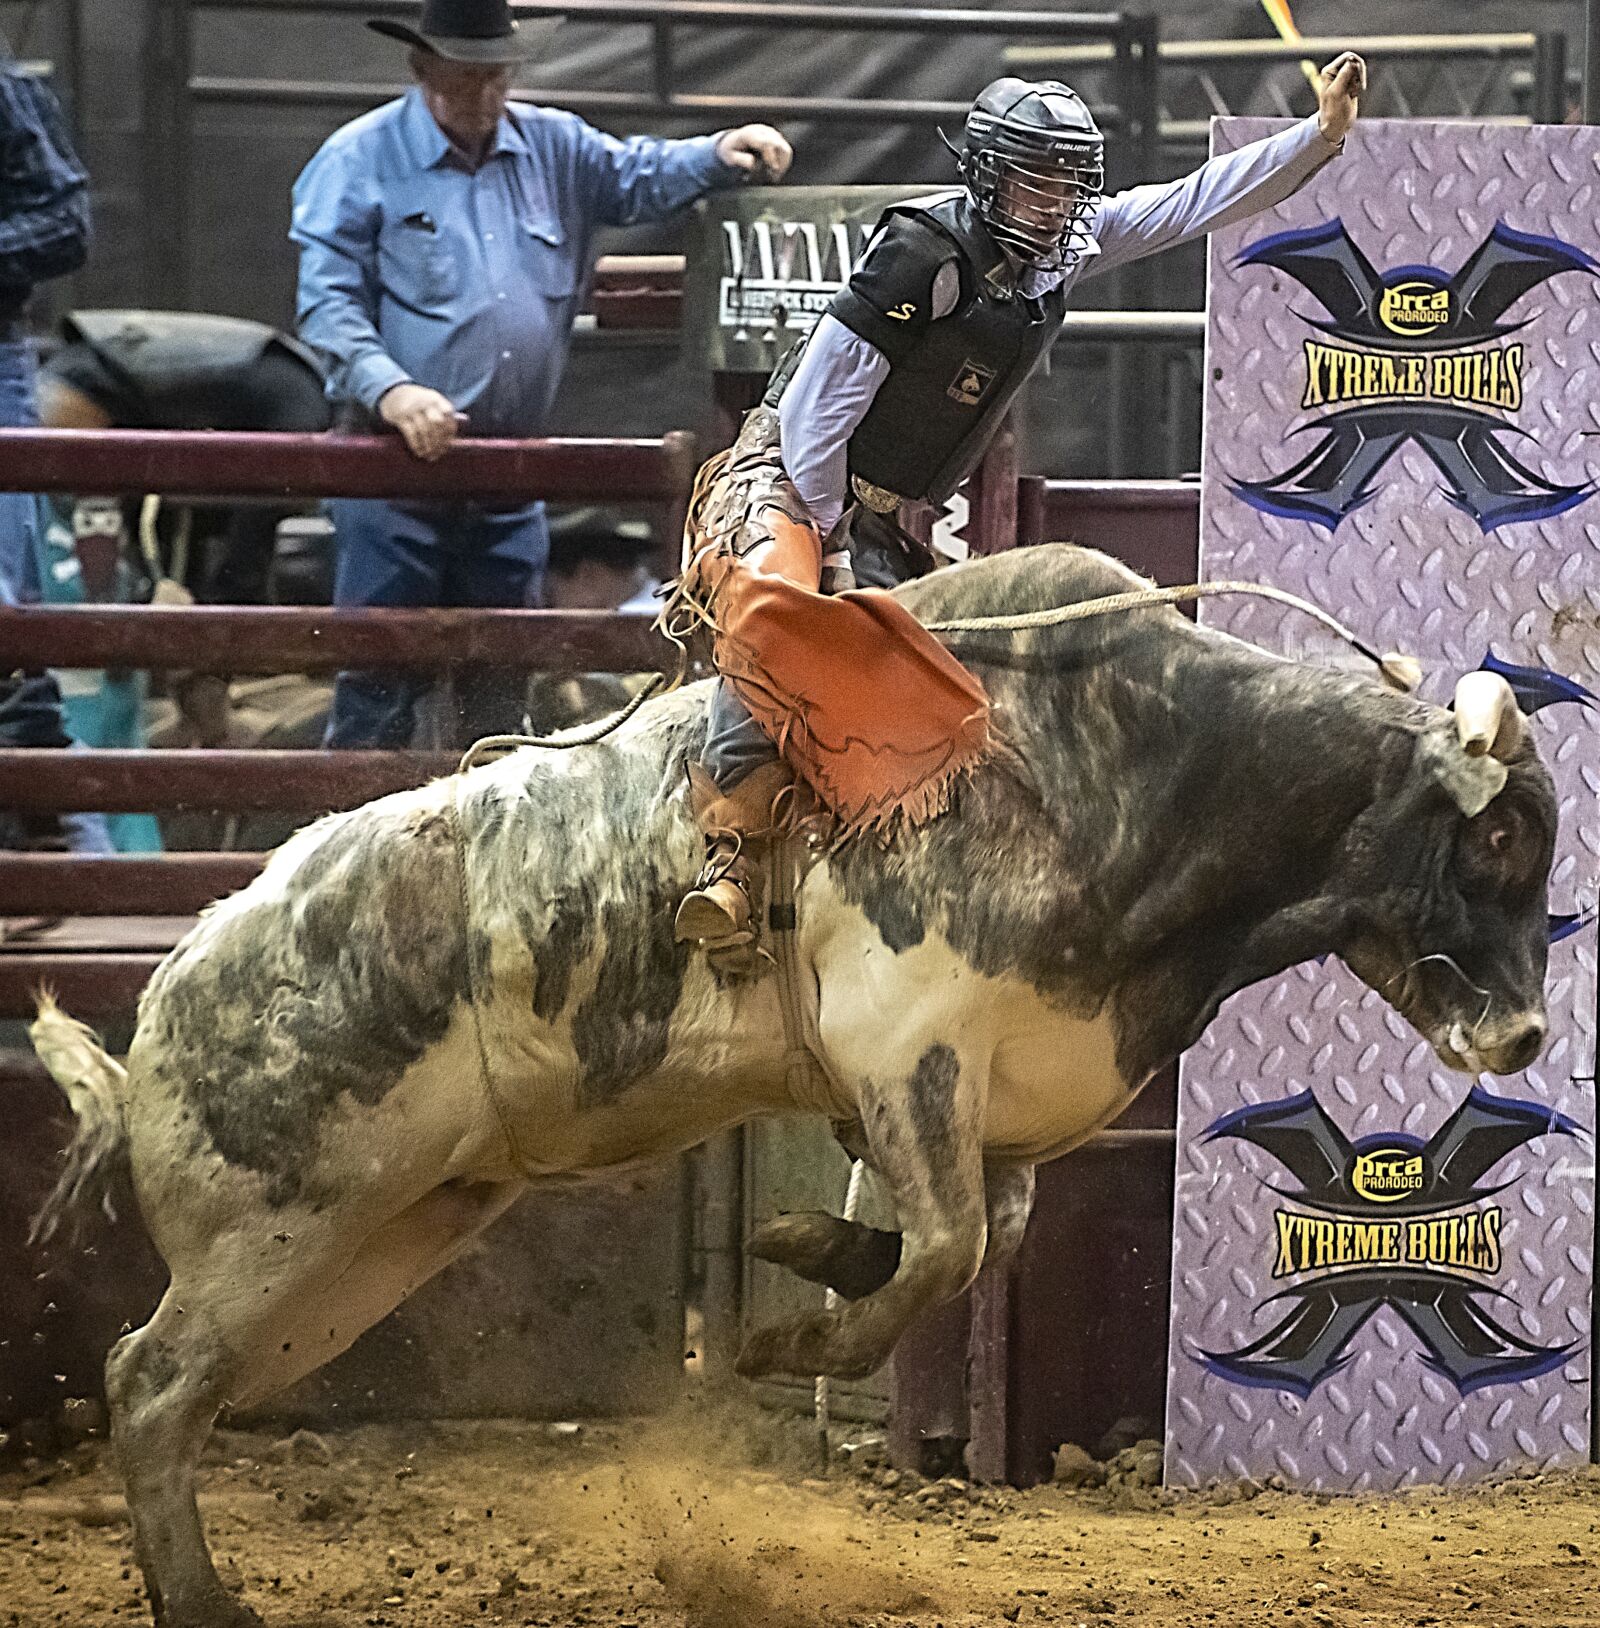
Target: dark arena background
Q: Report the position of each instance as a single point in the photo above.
(1299, 1335)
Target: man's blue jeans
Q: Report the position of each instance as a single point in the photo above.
(432, 554)
(30, 705)
(19, 511)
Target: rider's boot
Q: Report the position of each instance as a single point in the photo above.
(720, 914)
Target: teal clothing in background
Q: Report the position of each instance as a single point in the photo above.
(101, 709)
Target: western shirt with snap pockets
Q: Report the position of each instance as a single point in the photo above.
(417, 268)
(840, 373)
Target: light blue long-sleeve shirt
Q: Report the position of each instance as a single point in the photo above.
(415, 267)
(840, 373)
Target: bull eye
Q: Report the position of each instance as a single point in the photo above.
(1499, 851)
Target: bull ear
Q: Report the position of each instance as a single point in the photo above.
(1472, 782)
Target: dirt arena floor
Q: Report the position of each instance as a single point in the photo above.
(715, 1520)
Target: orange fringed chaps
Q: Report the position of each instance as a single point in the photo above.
(862, 702)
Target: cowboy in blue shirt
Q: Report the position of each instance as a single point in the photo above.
(445, 240)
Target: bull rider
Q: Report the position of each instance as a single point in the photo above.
(892, 400)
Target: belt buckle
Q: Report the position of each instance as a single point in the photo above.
(877, 498)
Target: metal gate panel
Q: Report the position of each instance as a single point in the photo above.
(1407, 570)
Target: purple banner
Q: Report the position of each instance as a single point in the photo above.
(1382, 1270)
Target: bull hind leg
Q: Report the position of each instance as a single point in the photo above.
(164, 1384)
(325, 1318)
(213, 1341)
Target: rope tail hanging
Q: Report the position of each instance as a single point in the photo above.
(660, 684)
(1399, 672)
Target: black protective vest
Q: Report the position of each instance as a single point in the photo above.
(951, 381)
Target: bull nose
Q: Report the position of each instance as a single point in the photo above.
(1521, 1043)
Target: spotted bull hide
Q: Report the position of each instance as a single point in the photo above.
(351, 1067)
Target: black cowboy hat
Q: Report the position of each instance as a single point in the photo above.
(462, 31)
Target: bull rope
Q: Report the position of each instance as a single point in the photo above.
(459, 844)
(821, 1389)
(1399, 672)
(495, 745)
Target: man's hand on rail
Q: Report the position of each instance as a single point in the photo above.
(426, 420)
(757, 149)
(1343, 81)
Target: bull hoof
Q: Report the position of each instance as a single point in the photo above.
(803, 1242)
(852, 1259)
(222, 1611)
(805, 1347)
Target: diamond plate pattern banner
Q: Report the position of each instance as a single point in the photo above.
(1447, 514)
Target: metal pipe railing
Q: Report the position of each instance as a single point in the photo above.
(665, 100)
(297, 639)
(1388, 47)
(180, 884)
(738, 13)
(233, 464)
(248, 781)
(352, 95)
(1545, 52)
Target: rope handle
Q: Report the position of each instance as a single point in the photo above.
(1399, 672)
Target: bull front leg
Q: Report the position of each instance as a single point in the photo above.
(923, 1126)
(855, 1260)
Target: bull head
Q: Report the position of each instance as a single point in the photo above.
(1460, 947)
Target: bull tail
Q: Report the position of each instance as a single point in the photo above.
(93, 1082)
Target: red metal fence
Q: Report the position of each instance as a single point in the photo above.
(101, 976)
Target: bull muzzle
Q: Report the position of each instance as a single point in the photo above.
(1506, 1048)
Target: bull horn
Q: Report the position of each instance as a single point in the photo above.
(1487, 716)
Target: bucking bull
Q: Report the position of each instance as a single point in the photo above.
(353, 1066)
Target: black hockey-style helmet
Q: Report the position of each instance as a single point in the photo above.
(1038, 135)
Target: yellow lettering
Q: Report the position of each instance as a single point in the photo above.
(1513, 355)
(1341, 1244)
(1491, 1239)
(1314, 395)
(1377, 1241)
(1286, 1232)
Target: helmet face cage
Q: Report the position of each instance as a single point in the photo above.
(1033, 160)
(1018, 202)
